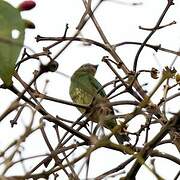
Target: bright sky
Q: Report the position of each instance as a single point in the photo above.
(120, 23)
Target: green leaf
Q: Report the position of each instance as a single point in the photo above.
(11, 40)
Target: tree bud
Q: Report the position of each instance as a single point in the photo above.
(26, 5)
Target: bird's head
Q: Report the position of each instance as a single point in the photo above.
(87, 68)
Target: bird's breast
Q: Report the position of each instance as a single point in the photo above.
(81, 96)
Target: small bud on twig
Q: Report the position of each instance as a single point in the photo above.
(154, 73)
(28, 24)
(26, 5)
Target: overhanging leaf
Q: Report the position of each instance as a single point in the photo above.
(11, 40)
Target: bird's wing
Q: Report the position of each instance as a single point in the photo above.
(97, 86)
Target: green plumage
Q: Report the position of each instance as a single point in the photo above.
(84, 87)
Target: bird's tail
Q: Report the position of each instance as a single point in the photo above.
(121, 138)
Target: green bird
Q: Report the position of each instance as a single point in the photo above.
(84, 89)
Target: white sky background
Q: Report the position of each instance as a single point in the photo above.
(120, 23)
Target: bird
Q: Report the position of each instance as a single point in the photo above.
(85, 89)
